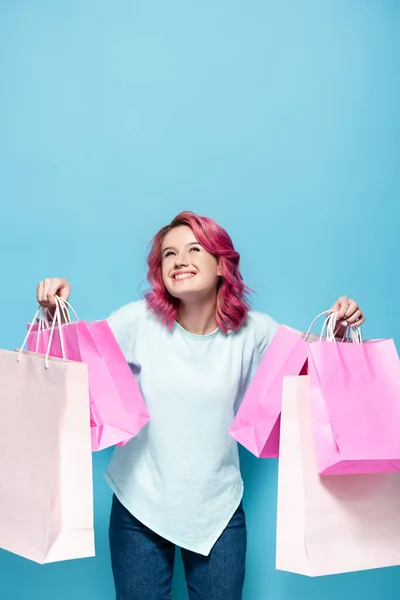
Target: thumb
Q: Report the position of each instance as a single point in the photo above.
(335, 307)
(64, 292)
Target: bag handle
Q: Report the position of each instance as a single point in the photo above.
(65, 307)
(57, 322)
(43, 322)
(330, 327)
(352, 334)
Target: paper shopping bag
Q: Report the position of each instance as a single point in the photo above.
(331, 524)
(355, 402)
(46, 495)
(118, 411)
(257, 423)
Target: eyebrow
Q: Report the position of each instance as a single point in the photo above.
(172, 248)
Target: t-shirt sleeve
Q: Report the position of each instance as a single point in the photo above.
(265, 328)
(124, 324)
(262, 329)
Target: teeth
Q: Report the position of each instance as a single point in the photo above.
(184, 276)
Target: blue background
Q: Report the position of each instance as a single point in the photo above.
(281, 120)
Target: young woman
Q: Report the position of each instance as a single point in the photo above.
(193, 344)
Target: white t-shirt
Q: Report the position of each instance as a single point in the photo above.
(180, 475)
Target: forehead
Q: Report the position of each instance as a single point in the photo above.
(179, 236)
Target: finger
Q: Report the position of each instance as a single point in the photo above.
(343, 303)
(359, 322)
(39, 291)
(42, 294)
(47, 299)
(45, 292)
(351, 309)
(355, 317)
(52, 291)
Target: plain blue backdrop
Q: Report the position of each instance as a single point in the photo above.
(280, 119)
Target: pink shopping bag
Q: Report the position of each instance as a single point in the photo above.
(355, 402)
(46, 490)
(257, 423)
(118, 411)
(329, 525)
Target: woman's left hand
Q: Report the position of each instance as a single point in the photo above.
(348, 311)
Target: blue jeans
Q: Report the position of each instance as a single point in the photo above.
(143, 562)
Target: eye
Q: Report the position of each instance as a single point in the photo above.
(169, 253)
(194, 248)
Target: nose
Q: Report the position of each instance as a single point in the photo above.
(181, 260)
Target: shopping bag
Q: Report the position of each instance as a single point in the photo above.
(331, 524)
(46, 495)
(118, 411)
(355, 402)
(257, 423)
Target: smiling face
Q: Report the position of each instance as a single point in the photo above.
(188, 270)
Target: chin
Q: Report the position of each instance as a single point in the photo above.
(184, 295)
(191, 295)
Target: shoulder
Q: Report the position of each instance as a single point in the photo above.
(257, 320)
(125, 321)
(262, 328)
(128, 314)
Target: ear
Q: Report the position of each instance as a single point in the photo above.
(219, 272)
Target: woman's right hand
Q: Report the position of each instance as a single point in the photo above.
(49, 288)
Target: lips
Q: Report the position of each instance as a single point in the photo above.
(182, 275)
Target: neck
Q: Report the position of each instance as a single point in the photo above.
(198, 317)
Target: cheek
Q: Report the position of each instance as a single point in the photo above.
(164, 274)
(211, 267)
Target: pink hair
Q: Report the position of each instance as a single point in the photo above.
(232, 306)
